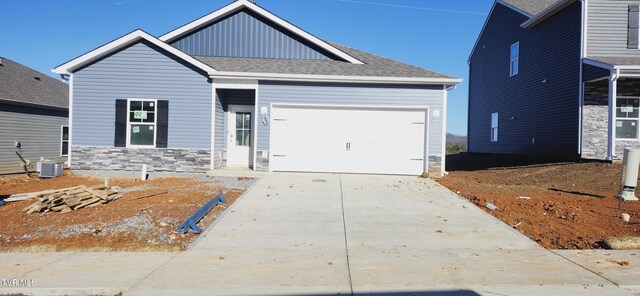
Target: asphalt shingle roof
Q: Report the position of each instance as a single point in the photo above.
(374, 65)
(617, 61)
(532, 7)
(22, 84)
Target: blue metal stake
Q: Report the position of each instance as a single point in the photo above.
(191, 225)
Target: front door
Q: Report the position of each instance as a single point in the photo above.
(240, 136)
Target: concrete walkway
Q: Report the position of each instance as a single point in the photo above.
(321, 234)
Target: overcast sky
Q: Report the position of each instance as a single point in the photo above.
(434, 34)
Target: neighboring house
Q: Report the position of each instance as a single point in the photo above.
(241, 87)
(33, 111)
(556, 78)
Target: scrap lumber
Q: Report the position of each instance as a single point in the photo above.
(69, 199)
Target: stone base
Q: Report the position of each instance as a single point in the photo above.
(435, 166)
(262, 161)
(132, 159)
(595, 131)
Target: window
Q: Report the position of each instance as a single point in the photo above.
(627, 118)
(64, 141)
(243, 128)
(494, 127)
(141, 123)
(515, 59)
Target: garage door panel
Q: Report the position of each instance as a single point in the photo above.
(387, 141)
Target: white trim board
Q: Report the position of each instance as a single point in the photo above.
(126, 40)
(335, 78)
(240, 4)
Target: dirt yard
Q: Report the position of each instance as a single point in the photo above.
(126, 224)
(571, 204)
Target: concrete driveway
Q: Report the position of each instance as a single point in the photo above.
(323, 234)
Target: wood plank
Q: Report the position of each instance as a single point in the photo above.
(94, 192)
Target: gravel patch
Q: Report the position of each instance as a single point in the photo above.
(234, 182)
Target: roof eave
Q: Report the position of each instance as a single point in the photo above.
(337, 78)
(547, 13)
(138, 35)
(34, 105)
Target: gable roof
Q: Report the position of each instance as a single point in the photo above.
(122, 42)
(20, 84)
(374, 68)
(363, 67)
(531, 7)
(245, 4)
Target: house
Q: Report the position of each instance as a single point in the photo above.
(34, 112)
(556, 78)
(241, 87)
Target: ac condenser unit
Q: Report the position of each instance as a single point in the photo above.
(51, 169)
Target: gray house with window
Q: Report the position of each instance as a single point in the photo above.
(556, 78)
(33, 112)
(241, 87)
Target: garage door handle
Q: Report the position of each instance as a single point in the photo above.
(420, 159)
(279, 155)
(279, 119)
(417, 123)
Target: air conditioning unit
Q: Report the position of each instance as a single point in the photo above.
(50, 169)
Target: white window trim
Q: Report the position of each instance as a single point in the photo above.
(155, 123)
(496, 127)
(62, 140)
(516, 59)
(616, 118)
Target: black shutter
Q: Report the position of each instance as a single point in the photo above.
(634, 24)
(162, 124)
(121, 124)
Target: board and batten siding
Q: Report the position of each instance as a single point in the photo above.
(539, 107)
(247, 35)
(145, 72)
(352, 94)
(607, 28)
(38, 130)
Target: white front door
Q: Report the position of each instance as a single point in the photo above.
(239, 136)
(349, 140)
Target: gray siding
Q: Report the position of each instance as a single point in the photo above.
(248, 35)
(541, 103)
(39, 131)
(219, 141)
(141, 71)
(607, 22)
(352, 94)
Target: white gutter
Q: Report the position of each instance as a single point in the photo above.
(613, 93)
(335, 78)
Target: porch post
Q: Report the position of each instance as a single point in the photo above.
(214, 98)
(613, 93)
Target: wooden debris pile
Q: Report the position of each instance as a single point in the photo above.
(68, 199)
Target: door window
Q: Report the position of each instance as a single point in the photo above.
(243, 128)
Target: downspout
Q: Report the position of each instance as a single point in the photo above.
(613, 94)
(583, 55)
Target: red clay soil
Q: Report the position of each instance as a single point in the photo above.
(127, 224)
(571, 206)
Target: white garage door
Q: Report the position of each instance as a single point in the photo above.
(347, 140)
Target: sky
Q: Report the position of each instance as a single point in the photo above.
(434, 34)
